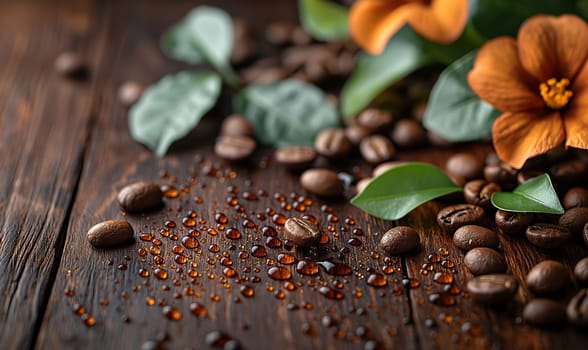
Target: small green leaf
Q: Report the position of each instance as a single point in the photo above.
(399, 190)
(288, 112)
(324, 20)
(170, 109)
(454, 111)
(533, 196)
(373, 74)
(583, 8)
(204, 35)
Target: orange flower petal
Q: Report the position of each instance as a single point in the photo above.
(442, 22)
(499, 79)
(373, 22)
(520, 136)
(553, 47)
(576, 117)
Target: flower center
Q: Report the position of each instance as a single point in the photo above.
(555, 94)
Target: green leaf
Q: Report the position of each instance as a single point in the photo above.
(324, 20)
(583, 8)
(533, 196)
(288, 112)
(454, 111)
(373, 74)
(170, 109)
(399, 190)
(204, 35)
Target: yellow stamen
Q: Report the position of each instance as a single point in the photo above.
(555, 94)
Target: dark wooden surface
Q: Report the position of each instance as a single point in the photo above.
(65, 151)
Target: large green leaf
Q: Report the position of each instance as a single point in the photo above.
(533, 196)
(399, 190)
(323, 19)
(454, 111)
(204, 35)
(288, 112)
(373, 74)
(170, 109)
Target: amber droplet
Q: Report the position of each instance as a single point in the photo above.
(247, 291)
(307, 267)
(278, 294)
(213, 248)
(289, 286)
(452, 289)
(189, 222)
(177, 249)
(350, 221)
(221, 218)
(273, 242)
(258, 251)
(180, 259)
(355, 242)
(336, 269)
(146, 237)
(144, 273)
(269, 231)
(377, 280)
(150, 301)
(443, 277)
(198, 310)
(331, 293)
(443, 251)
(286, 259)
(171, 313)
(388, 270)
(170, 224)
(279, 273)
(233, 233)
(89, 320)
(434, 258)
(324, 238)
(229, 272)
(170, 191)
(249, 196)
(69, 292)
(410, 283)
(279, 219)
(190, 242)
(442, 299)
(79, 309)
(448, 264)
(160, 274)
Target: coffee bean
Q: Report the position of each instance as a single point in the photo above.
(323, 182)
(129, 93)
(548, 236)
(581, 272)
(376, 120)
(438, 140)
(72, 65)
(382, 168)
(140, 197)
(548, 278)
(483, 261)
(575, 197)
(464, 165)
(511, 223)
(408, 133)
(296, 157)
(332, 143)
(577, 310)
(236, 125)
(301, 232)
(243, 43)
(574, 220)
(234, 148)
(376, 149)
(479, 192)
(110, 233)
(362, 184)
(492, 289)
(544, 313)
(585, 234)
(502, 174)
(569, 171)
(473, 236)
(400, 240)
(300, 37)
(264, 75)
(454, 216)
(356, 133)
(525, 175)
(279, 33)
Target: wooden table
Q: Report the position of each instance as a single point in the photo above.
(65, 151)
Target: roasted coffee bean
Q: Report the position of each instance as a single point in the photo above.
(110, 233)
(323, 182)
(454, 216)
(382, 168)
(464, 165)
(479, 192)
(264, 75)
(438, 140)
(511, 223)
(548, 235)
(574, 220)
(296, 157)
(300, 37)
(301, 232)
(408, 133)
(236, 125)
(585, 234)
(356, 133)
(569, 171)
(140, 197)
(473, 236)
(234, 148)
(376, 120)
(129, 93)
(548, 278)
(581, 272)
(332, 143)
(279, 33)
(544, 313)
(243, 43)
(575, 197)
(525, 175)
(72, 65)
(577, 310)
(502, 174)
(376, 149)
(492, 289)
(362, 184)
(483, 261)
(400, 240)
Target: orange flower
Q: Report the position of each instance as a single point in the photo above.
(373, 22)
(540, 82)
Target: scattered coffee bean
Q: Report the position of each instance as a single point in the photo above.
(577, 310)
(585, 234)
(408, 133)
(483, 261)
(236, 125)
(110, 233)
(323, 182)
(511, 223)
(382, 168)
(356, 133)
(300, 37)
(454, 216)
(575, 197)
(502, 174)
(438, 140)
(71, 64)
(296, 157)
(244, 45)
(140, 197)
(129, 93)
(234, 148)
(525, 175)
(574, 220)
(479, 192)
(264, 75)
(473, 236)
(362, 184)
(569, 171)
(279, 33)
(376, 149)
(548, 278)
(376, 120)
(464, 165)
(581, 272)
(400, 240)
(548, 235)
(301, 232)
(492, 289)
(544, 313)
(332, 143)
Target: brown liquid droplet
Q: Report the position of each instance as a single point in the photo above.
(307, 267)
(247, 291)
(434, 258)
(355, 242)
(279, 219)
(452, 289)
(278, 294)
(289, 286)
(171, 313)
(377, 280)
(160, 274)
(190, 242)
(146, 237)
(279, 273)
(233, 233)
(170, 224)
(79, 309)
(221, 218)
(286, 259)
(89, 320)
(388, 270)
(247, 223)
(170, 191)
(250, 196)
(448, 264)
(180, 259)
(350, 221)
(269, 231)
(214, 248)
(229, 272)
(442, 299)
(258, 251)
(144, 273)
(69, 292)
(331, 293)
(336, 269)
(443, 277)
(324, 238)
(443, 251)
(198, 310)
(150, 301)
(189, 222)
(273, 242)
(410, 283)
